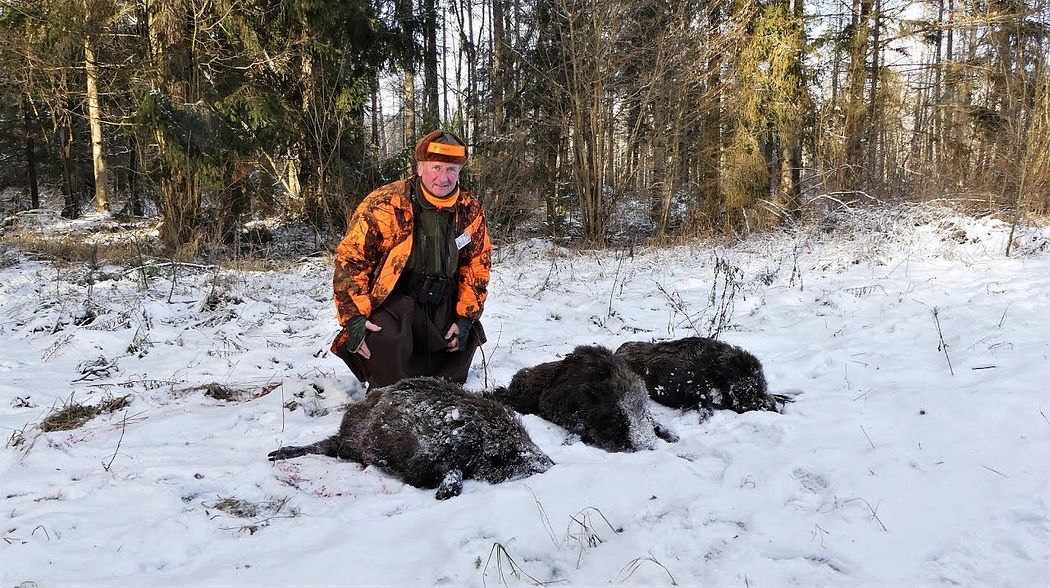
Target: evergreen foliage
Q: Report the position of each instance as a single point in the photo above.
(705, 116)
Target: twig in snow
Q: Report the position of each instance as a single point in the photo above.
(544, 518)
(796, 273)
(722, 300)
(818, 532)
(612, 290)
(995, 471)
(586, 536)
(678, 306)
(41, 528)
(276, 506)
(635, 563)
(942, 346)
(874, 512)
(174, 274)
(50, 351)
(550, 275)
(1003, 318)
(142, 265)
(123, 427)
(99, 367)
(866, 436)
(1044, 416)
(484, 367)
(586, 518)
(145, 265)
(500, 553)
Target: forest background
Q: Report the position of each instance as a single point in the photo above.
(707, 117)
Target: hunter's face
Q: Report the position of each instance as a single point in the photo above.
(439, 178)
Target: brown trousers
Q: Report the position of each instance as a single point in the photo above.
(411, 343)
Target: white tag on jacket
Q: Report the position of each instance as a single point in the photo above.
(462, 240)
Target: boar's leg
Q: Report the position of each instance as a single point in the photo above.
(665, 433)
(329, 447)
(451, 485)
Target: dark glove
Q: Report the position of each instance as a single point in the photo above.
(355, 333)
(464, 325)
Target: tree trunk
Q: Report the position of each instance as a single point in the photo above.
(659, 178)
(936, 132)
(30, 146)
(236, 205)
(473, 99)
(65, 134)
(790, 172)
(499, 66)
(408, 67)
(375, 113)
(171, 29)
(98, 148)
(856, 119)
(444, 66)
(135, 199)
(431, 106)
(873, 146)
(410, 108)
(708, 210)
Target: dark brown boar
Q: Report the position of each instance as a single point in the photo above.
(593, 394)
(430, 433)
(701, 373)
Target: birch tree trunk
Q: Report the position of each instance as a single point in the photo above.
(98, 147)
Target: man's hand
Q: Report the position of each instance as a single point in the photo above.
(457, 334)
(356, 329)
(362, 349)
(452, 336)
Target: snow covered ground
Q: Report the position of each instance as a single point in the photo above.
(915, 453)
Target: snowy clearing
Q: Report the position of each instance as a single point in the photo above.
(914, 452)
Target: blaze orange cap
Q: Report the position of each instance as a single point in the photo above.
(442, 146)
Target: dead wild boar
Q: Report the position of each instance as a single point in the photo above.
(430, 433)
(702, 373)
(591, 393)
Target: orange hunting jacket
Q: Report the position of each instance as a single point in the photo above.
(370, 258)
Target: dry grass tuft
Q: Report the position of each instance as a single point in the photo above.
(237, 507)
(226, 394)
(231, 394)
(115, 403)
(17, 438)
(243, 509)
(69, 417)
(72, 249)
(141, 251)
(74, 415)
